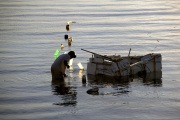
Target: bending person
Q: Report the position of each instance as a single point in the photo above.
(60, 64)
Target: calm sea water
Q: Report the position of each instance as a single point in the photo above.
(31, 31)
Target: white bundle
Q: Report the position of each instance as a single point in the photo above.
(80, 66)
(70, 64)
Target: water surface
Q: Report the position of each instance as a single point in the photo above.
(31, 31)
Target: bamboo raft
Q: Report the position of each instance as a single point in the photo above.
(116, 65)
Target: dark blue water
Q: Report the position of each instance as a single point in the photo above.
(31, 31)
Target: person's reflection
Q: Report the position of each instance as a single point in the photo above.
(67, 93)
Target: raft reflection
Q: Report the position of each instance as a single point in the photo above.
(66, 92)
(121, 84)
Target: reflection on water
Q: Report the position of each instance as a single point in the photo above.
(66, 92)
(120, 85)
(153, 79)
(103, 85)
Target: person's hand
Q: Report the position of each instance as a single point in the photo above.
(68, 66)
(65, 75)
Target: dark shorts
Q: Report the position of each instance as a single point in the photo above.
(57, 75)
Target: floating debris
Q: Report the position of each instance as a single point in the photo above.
(56, 53)
(70, 39)
(93, 91)
(68, 24)
(62, 46)
(65, 36)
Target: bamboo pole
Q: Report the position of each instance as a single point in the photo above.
(110, 59)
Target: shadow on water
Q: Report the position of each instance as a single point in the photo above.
(120, 85)
(66, 92)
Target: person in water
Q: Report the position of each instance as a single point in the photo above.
(60, 64)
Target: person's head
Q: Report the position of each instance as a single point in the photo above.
(72, 54)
